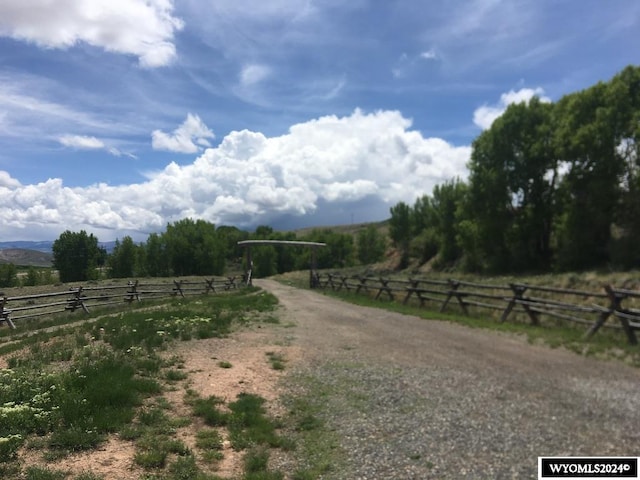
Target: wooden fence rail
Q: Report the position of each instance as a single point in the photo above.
(577, 306)
(13, 309)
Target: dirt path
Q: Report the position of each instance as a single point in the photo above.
(483, 404)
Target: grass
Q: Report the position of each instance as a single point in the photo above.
(276, 360)
(317, 445)
(69, 389)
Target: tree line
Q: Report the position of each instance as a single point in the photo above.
(198, 247)
(552, 186)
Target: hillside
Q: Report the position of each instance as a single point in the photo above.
(351, 228)
(25, 257)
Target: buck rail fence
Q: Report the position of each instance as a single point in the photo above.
(15, 309)
(512, 301)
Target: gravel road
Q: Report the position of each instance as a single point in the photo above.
(420, 399)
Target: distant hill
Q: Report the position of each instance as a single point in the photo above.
(45, 246)
(26, 257)
(352, 228)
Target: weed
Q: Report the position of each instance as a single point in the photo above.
(249, 426)
(277, 360)
(208, 410)
(308, 422)
(256, 460)
(223, 364)
(88, 476)
(152, 417)
(208, 439)
(38, 473)
(149, 459)
(175, 375)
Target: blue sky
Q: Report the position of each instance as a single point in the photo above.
(119, 116)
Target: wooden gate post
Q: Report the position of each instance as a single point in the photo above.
(313, 276)
(248, 279)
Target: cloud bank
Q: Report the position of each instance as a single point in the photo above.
(144, 28)
(320, 167)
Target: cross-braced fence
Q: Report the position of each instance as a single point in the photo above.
(17, 308)
(583, 307)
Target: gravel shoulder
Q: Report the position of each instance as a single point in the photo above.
(414, 399)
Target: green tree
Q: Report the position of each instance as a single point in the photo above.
(123, 261)
(33, 277)
(154, 256)
(338, 253)
(513, 174)
(371, 245)
(230, 236)
(400, 230)
(624, 94)
(8, 275)
(76, 256)
(447, 203)
(587, 140)
(265, 261)
(193, 248)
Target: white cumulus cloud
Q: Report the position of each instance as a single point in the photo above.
(144, 28)
(81, 142)
(323, 167)
(484, 116)
(187, 138)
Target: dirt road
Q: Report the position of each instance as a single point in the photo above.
(413, 398)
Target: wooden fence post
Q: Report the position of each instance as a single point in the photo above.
(385, 288)
(454, 284)
(209, 286)
(518, 292)
(178, 288)
(615, 305)
(76, 301)
(363, 284)
(231, 283)
(5, 315)
(410, 290)
(133, 291)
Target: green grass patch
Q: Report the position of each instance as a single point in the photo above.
(276, 360)
(208, 439)
(40, 473)
(175, 375)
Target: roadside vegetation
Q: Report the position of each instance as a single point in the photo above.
(69, 390)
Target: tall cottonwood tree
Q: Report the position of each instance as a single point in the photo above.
(124, 259)
(400, 230)
(513, 175)
(76, 256)
(193, 248)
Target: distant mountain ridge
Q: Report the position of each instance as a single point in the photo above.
(26, 257)
(45, 246)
